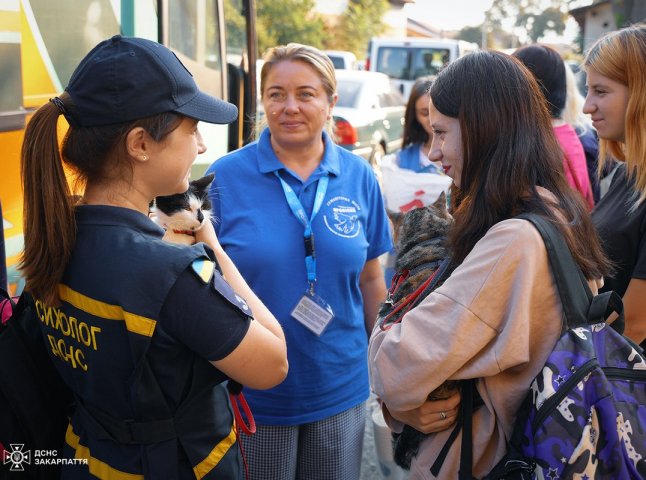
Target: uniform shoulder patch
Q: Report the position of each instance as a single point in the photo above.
(224, 289)
(204, 269)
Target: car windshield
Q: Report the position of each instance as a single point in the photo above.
(348, 93)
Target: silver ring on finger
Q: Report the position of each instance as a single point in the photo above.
(442, 416)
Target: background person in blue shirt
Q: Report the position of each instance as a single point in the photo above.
(418, 134)
(304, 221)
(416, 143)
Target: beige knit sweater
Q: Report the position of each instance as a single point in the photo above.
(496, 318)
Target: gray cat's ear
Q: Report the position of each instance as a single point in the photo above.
(394, 216)
(440, 203)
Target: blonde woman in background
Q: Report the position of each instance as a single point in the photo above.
(616, 102)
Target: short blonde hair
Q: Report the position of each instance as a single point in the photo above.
(296, 52)
(621, 56)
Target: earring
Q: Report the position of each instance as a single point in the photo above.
(144, 158)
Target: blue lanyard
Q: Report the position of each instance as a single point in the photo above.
(299, 212)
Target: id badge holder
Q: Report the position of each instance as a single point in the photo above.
(313, 312)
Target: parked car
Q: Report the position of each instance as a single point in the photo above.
(369, 114)
(342, 60)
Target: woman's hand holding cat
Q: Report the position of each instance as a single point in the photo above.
(432, 416)
(207, 235)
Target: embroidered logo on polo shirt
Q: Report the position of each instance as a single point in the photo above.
(342, 217)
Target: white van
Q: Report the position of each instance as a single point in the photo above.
(342, 60)
(406, 59)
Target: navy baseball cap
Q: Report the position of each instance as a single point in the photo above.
(125, 78)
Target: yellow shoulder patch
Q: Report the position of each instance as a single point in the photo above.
(204, 269)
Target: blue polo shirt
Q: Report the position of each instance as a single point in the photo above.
(408, 158)
(327, 373)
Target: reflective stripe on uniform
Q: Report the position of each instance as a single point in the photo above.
(134, 323)
(212, 460)
(96, 467)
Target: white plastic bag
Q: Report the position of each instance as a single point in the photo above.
(404, 189)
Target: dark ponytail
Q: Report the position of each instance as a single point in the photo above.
(48, 219)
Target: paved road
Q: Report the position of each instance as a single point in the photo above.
(369, 462)
(370, 468)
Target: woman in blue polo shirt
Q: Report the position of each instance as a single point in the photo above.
(304, 221)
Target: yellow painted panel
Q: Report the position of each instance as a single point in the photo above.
(10, 189)
(37, 85)
(9, 21)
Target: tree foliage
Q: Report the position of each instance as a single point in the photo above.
(280, 22)
(358, 23)
(471, 34)
(529, 15)
(235, 25)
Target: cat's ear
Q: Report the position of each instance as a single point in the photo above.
(440, 203)
(394, 216)
(205, 181)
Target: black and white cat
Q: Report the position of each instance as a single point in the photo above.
(182, 214)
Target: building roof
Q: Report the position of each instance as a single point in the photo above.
(417, 28)
(579, 12)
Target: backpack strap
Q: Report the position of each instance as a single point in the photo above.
(466, 415)
(572, 287)
(580, 306)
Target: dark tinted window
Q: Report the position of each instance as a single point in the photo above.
(429, 61)
(337, 62)
(11, 112)
(394, 61)
(194, 36)
(409, 63)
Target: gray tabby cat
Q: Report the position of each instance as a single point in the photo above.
(419, 236)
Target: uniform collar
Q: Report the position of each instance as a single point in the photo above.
(117, 216)
(268, 161)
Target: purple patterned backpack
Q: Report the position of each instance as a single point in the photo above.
(585, 414)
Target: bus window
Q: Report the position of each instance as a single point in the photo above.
(67, 31)
(194, 36)
(12, 113)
